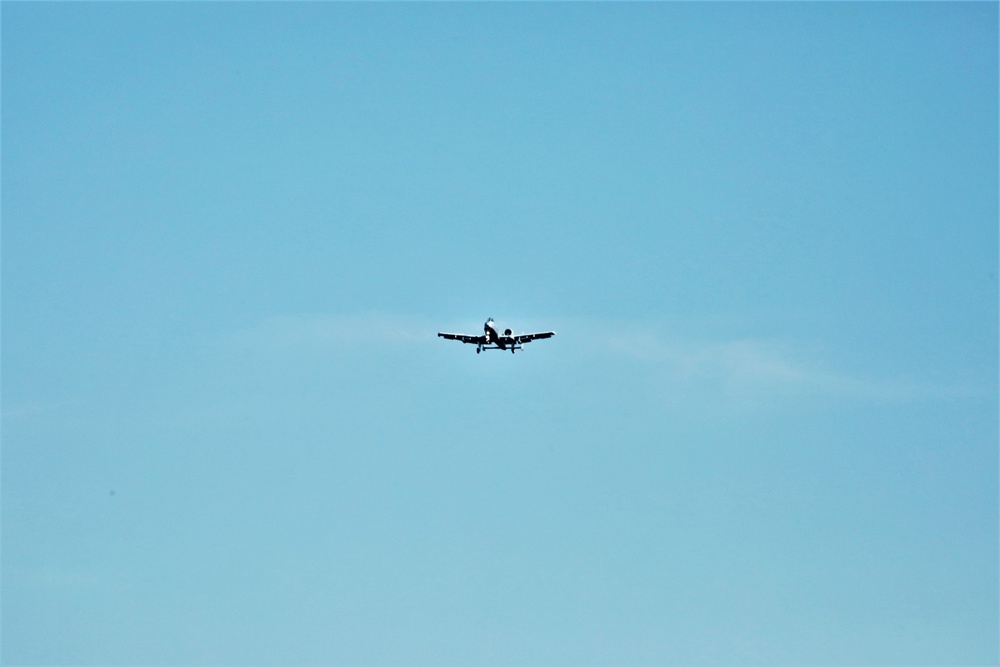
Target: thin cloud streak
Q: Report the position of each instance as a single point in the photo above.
(752, 372)
(312, 332)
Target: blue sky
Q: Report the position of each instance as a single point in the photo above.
(766, 432)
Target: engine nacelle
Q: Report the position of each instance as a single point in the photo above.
(507, 332)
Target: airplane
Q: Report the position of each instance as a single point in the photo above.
(492, 340)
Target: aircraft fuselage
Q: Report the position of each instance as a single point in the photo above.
(493, 337)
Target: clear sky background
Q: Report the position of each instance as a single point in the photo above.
(766, 432)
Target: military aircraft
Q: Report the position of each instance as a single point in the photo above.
(493, 340)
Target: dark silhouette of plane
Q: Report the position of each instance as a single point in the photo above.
(493, 340)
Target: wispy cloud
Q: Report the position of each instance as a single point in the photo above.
(24, 409)
(332, 331)
(54, 578)
(754, 372)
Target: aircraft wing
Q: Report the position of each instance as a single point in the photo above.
(465, 338)
(527, 338)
